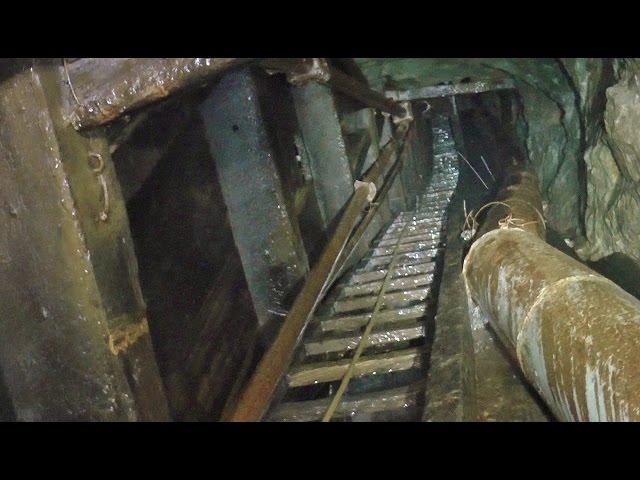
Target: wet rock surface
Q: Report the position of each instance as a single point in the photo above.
(579, 119)
(613, 173)
(549, 118)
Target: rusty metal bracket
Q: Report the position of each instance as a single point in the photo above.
(408, 114)
(317, 71)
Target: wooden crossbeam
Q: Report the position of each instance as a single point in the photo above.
(448, 90)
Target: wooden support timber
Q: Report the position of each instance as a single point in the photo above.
(362, 124)
(576, 334)
(325, 147)
(398, 360)
(103, 89)
(255, 399)
(449, 90)
(265, 232)
(74, 341)
(301, 70)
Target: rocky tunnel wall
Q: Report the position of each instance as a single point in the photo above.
(578, 119)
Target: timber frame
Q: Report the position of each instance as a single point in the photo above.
(72, 303)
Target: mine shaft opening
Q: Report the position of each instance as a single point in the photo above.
(319, 239)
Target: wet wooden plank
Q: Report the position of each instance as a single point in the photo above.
(400, 283)
(377, 339)
(366, 404)
(410, 239)
(353, 322)
(405, 259)
(313, 373)
(55, 349)
(103, 89)
(362, 276)
(102, 216)
(406, 248)
(390, 300)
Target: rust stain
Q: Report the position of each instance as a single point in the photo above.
(123, 337)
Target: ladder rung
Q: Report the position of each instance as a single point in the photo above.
(353, 322)
(377, 339)
(370, 403)
(321, 372)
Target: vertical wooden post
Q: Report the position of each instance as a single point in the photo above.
(265, 232)
(320, 127)
(73, 337)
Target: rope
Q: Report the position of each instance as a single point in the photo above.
(66, 71)
(335, 401)
(471, 224)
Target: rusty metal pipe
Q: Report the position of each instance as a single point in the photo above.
(575, 334)
(256, 397)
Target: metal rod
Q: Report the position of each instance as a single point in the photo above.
(474, 170)
(382, 194)
(487, 167)
(575, 334)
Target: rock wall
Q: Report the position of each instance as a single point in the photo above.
(551, 120)
(580, 119)
(612, 158)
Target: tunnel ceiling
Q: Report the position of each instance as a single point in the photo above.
(578, 122)
(404, 73)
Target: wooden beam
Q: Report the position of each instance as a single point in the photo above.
(301, 70)
(103, 89)
(447, 90)
(385, 317)
(52, 325)
(367, 403)
(404, 333)
(319, 125)
(246, 158)
(103, 218)
(259, 392)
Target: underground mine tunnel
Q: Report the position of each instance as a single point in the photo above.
(319, 239)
